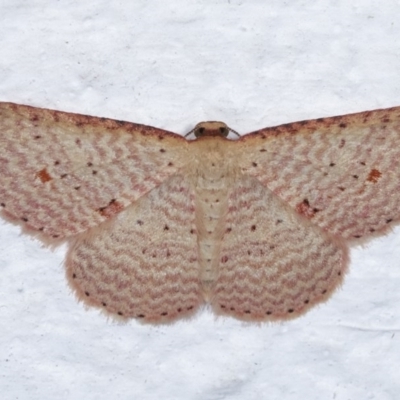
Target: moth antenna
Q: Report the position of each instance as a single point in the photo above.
(191, 131)
(233, 131)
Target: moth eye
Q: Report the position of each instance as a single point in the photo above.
(201, 130)
(223, 131)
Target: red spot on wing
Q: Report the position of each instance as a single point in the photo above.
(305, 209)
(374, 175)
(44, 176)
(113, 208)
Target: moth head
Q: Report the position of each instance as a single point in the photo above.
(211, 128)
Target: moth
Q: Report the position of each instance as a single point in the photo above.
(158, 225)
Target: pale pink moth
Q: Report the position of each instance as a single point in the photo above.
(158, 225)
